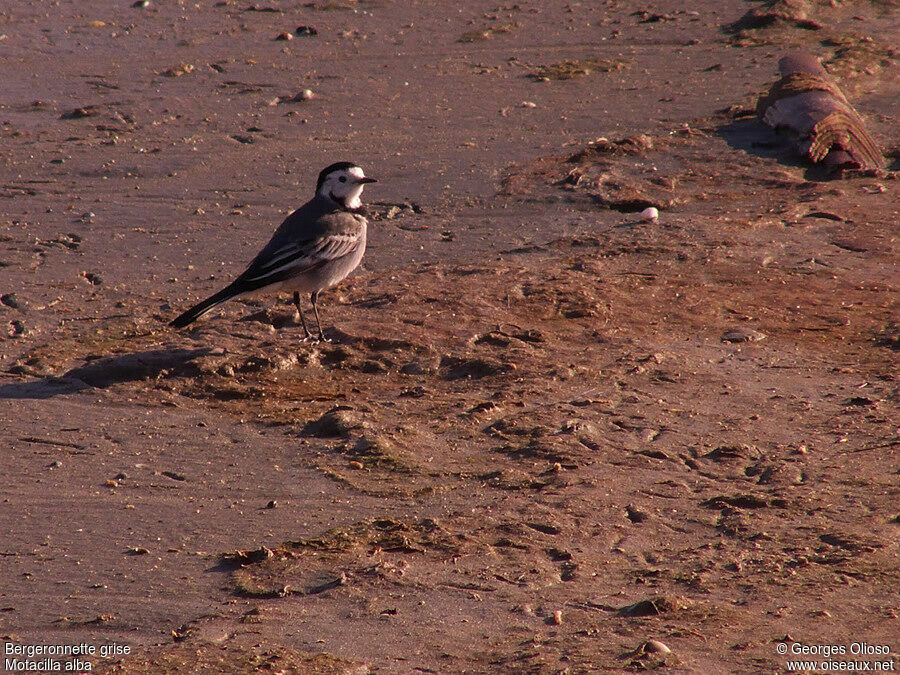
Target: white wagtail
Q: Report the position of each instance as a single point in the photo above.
(316, 247)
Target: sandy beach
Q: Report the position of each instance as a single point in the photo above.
(547, 434)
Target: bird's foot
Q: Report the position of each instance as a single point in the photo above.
(314, 339)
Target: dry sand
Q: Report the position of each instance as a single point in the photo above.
(545, 432)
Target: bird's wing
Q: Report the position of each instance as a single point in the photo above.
(298, 257)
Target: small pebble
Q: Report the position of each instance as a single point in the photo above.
(272, 504)
(742, 335)
(305, 95)
(12, 300)
(16, 329)
(285, 36)
(656, 646)
(635, 515)
(306, 30)
(179, 70)
(557, 618)
(650, 214)
(528, 104)
(140, 4)
(76, 114)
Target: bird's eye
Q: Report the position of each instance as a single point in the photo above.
(343, 179)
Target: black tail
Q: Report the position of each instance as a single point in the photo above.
(202, 308)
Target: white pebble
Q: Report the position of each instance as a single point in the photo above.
(656, 646)
(650, 214)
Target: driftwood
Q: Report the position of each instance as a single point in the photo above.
(815, 113)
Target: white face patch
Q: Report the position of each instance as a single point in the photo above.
(344, 186)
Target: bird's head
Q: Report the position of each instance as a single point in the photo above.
(343, 183)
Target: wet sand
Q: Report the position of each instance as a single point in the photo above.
(545, 431)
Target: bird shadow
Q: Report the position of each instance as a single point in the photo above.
(102, 372)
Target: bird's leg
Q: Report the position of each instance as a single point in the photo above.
(314, 297)
(300, 312)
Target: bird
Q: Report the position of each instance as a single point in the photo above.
(315, 247)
